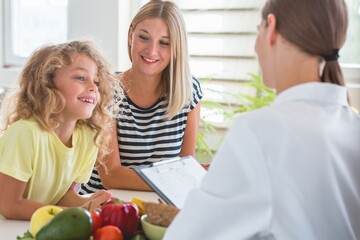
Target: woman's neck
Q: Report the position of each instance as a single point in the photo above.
(143, 90)
(141, 82)
(296, 68)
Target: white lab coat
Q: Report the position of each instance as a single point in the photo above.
(289, 171)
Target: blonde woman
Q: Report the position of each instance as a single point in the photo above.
(57, 124)
(160, 114)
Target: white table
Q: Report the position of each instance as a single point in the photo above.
(10, 229)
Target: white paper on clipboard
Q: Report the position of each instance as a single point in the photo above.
(173, 179)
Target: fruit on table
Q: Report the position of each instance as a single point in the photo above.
(70, 224)
(139, 204)
(124, 215)
(108, 232)
(96, 220)
(42, 216)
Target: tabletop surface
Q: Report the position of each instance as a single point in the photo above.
(10, 229)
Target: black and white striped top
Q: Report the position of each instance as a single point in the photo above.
(145, 137)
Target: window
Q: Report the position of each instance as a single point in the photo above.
(221, 38)
(350, 53)
(26, 28)
(28, 24)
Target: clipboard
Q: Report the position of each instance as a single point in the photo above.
(173, 179)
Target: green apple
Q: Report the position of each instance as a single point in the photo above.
(42, 216)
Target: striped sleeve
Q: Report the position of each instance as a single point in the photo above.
(197, 93)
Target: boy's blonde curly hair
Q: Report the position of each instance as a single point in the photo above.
(37, 96)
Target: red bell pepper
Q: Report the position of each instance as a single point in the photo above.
(124, 215)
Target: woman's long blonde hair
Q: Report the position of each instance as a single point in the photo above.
(176, 78)
(37, 97)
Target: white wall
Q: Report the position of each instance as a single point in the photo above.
(104, 23)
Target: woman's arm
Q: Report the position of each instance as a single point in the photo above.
(12, 203)
(115, 176)
(73, 199)
(189, 141)
(191, 130)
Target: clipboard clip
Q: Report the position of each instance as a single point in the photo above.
(163, 167)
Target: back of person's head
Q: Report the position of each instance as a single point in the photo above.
(317, 27)
(38, 97)
(176, 77)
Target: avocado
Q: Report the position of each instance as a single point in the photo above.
(69, 224)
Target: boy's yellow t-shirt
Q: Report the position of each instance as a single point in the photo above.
(39, 158)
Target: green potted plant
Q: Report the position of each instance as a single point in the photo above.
(264, 97)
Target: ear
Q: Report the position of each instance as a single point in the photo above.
(272, 33)
(130, 35)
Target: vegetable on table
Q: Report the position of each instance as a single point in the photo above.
(27, 236)
(71, 223)
(124, 215)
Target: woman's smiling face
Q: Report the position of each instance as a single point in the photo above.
(150, 46)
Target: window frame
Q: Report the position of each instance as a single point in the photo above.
(10, 59)
(113, 42)
(351, 72)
